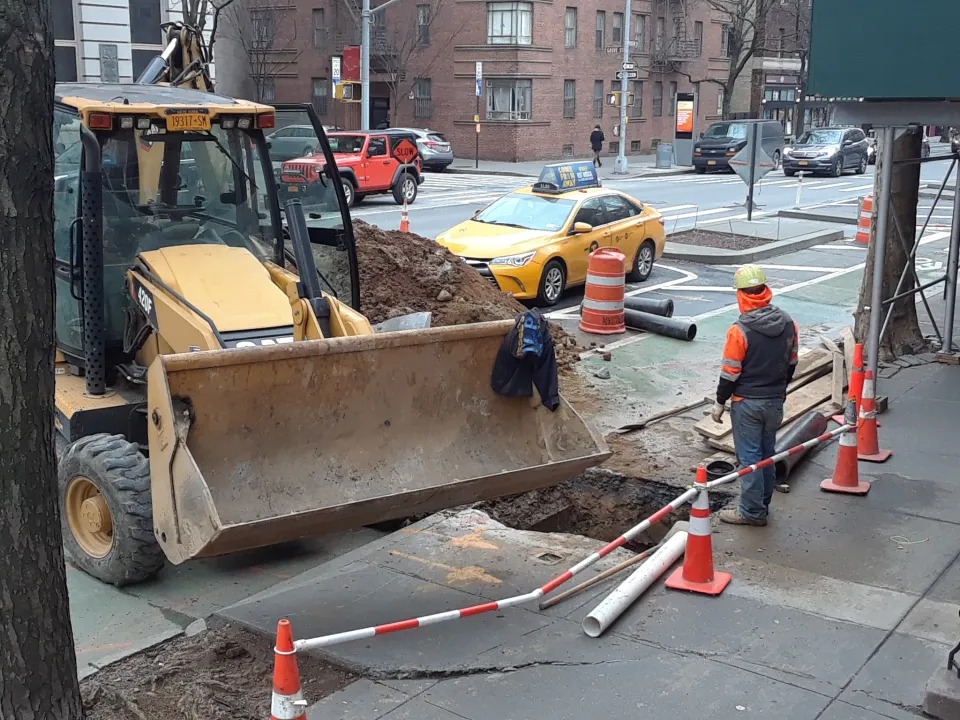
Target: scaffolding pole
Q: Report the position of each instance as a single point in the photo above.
(953, 254)
(879, 249)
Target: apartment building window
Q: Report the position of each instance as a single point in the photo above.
(658, 99)
(510, 23)
(720, 102)
(725, 37)
(570, 28)
(422, 98)
(319, 28)
(569, 99)
(616, 36)
(145, 19)
(661, 24)
(672, 107)
(65, 52)
(423, 24)
(601, 29)
(268, 90)
(639, 33)
(598, 98)
(509, 99)
(698, 36)
(319, 95)
(636, 109)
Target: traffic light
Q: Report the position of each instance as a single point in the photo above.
(348, 91)
(613, 98)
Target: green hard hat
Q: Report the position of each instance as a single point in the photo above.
(749, 276)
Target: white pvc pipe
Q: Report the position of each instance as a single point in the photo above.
(604, 614)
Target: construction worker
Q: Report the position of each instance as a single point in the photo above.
(759, 359)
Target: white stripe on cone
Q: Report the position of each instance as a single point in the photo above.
(699, 526)
(604, 280)
(287, 707)
(602, 305)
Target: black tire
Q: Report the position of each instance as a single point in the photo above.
(553, 281)
(789, 173)
(925, 151)
(643, 262)
(405, 187)
(121, 474)
(862, 165)
(837, 169)
(700, 170)
(776, 160)
(349, 192)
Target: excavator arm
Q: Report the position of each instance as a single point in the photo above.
(184, 62)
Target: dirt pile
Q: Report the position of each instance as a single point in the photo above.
(403, 273)
(222, 674)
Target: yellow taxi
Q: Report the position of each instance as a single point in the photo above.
(535, 242)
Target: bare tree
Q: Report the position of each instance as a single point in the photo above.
(196, 13)
(267, 33)
(409, 51)
(38, 666)
(797, 14)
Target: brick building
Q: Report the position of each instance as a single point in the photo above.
(547, 68)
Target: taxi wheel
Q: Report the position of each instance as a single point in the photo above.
(642, 262)
(552, 282)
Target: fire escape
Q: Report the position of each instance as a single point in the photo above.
(670, 52)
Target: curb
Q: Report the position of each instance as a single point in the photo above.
(818, 217)
(719, 256)
(946, 195)
(471, 171)
(508, 173)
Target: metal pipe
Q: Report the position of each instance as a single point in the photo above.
(918, 289)
(614, 604)
(365, 20)
(670, 327)
(879, 251)
(811, 425)
(953, 255)
(621, 166)
(663, 308)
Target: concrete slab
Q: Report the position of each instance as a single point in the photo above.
(846, 541)
(629, 683)
(774, 248)
(420, 709)
(844, 711)
(942, 699)
(947, 588)
(935, 621)
(362, 700)
(800, 648)
(892, 682)
(109, 625)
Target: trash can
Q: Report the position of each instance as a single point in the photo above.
(664, 155)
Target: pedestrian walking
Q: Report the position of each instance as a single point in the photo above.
(596, 142)
(759, 360)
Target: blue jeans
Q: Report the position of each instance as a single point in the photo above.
(755, 424)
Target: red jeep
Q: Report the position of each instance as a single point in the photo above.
(370, 163)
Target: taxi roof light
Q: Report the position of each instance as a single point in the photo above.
(563, 177)
(100, 121)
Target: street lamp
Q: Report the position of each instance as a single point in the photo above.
(366, 18)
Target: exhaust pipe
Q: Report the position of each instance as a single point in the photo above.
(663, 308)
(811, 425)
(671, 327)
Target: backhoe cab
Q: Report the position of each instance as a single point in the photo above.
(216, 387)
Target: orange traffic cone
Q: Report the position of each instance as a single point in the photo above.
(855, 388)
(404, 219)
(697, 574)
(868, 443)
(846, 478)
(287, 702)
(865, 221)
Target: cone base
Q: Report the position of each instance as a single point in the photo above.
(879, 457)
(600, 330)
(715, 587)
(861, 488)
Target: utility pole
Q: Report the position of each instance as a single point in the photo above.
(621, 166)
(366, 19)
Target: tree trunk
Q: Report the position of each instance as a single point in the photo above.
(903, 335)
(38, 667)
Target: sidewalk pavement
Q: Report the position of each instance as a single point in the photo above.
(640, 166)
(840, 609)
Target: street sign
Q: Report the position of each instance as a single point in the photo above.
(335, 72)
(479, 79)
(741, 163)
(627, 74)
(627, 65)
(405, 151)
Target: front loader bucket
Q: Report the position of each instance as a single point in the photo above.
(256, 446)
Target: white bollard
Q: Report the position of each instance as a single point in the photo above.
(799, 187)
(613, 606)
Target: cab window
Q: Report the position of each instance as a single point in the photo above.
(618, 209)
(377, 147)
(591, 213)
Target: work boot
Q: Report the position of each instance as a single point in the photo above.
(732, 516)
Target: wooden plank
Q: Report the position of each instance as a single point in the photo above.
(813, 369)
(798, 403)
(838, 380)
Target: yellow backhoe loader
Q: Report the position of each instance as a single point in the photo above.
(216, 387)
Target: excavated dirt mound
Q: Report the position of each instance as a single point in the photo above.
(222, 674)
(403, 273)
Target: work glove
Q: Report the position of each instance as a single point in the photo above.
(717, 412)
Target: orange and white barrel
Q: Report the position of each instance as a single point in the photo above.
(601, 312)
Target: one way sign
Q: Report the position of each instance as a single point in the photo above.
(627, 74)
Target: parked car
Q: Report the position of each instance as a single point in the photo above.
(872, 150)
(370, 163)
(292, 141)
(722, 140)
(828, 151)
(435, 149)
